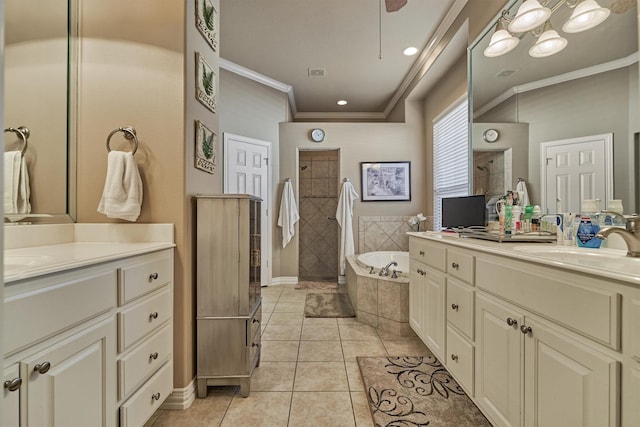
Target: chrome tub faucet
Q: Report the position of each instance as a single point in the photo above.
(385, 270)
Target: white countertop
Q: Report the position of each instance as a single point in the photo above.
(604, 262)
(32, 251)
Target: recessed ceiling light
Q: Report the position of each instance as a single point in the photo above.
(342, 102)
(410, 51)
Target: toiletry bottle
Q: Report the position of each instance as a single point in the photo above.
(508, 219)
(501, 216)
(589, 225)
(516, 225)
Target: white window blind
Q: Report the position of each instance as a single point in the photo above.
(450, 157)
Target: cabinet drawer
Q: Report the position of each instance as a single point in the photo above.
(150, 273)
(460, 360)
(137, 410)
(143, 317)
(45, 311)
(140, 363)
(431, 254)
(460, 307)
(576, 301)
(461, 265)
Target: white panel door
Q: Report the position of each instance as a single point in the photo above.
(576, 169)
(246, 162)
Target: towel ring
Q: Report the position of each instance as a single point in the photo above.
(129, 133)
(23, 132)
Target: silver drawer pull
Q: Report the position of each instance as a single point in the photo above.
(153, 355)
(421, 253)
(455, 306)
(153, 315)
(14, 384)
(455, 265)
(454, 357)
(525, 329)
(153, 276)
(155, 396)
(512, 322)
(42, 368)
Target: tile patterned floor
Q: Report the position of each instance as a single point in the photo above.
(308, 374)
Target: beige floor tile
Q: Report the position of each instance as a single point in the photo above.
(320, 333)
(320, 351)
(279, 351)
(354, 377)
(390, 336)
(286, 319)
(406, 348)
(267, 307)
(321, 409)
(273, 376)
(268, 409)
(358, 332)
(292, 297)
(321, 376)
(361, 409)
(289, 307)
(320, 321)
(202, 412)
(353, 349)
(281, 332)
(347, 320)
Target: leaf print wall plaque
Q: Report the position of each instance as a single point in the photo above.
(206, 142)
(207, 22)
(205, 83)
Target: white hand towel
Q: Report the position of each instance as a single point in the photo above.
(122, 194)
(288, 213)
(16, 184)
(523, 194)
(344, 215)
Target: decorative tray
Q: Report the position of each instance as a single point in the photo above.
(531, 237)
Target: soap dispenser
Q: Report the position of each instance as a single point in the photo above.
(589, 225)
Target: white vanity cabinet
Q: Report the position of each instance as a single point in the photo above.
(12, 382)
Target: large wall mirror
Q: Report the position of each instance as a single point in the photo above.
(588, 89)
(40, 74)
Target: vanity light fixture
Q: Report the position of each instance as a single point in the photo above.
(342, 102)
(410, 51)
(532, 16)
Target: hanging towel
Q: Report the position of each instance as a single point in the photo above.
(288, 213)
(122, 194)
(344, 215)
(16, 184)
(523, 195)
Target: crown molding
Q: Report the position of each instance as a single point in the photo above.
(340, 116)
(560, 78)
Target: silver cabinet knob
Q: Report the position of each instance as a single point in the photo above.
(155, 396)
(455, 306)
(512, 322)
(455, 265)
(421, 253)
(153, 355)
(153, 315)
(255, 321)
(454, 357)
(255, 344)
(42, 368)
(14, 384)
(153, 276)
(525, 329)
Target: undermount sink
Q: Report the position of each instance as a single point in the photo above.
(603, 259)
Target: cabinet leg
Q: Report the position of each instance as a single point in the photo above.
(245, 387)
(202, 388)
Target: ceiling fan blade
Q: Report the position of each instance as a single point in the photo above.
(394, 5)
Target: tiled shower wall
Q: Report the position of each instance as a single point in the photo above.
(489, 172)
(386, 233)
(318, 226)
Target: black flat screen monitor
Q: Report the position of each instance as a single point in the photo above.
(462, 212)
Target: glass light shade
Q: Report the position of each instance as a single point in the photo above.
(587, 14)
(530, 15)
(548, 44)
(501, 42)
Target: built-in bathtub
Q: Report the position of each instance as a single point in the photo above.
(380, 301)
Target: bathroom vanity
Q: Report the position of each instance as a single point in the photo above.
(88, 333)
(536, 334)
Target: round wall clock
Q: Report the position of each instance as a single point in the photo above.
(490, 135)
(317, 135)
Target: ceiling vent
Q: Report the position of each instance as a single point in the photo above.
(507, 72)
(316, 72)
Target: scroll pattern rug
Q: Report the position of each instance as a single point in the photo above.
(328, 305)
(415, 391)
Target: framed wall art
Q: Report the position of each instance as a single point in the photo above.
(385, 181)
(205, 83)
(207, 22)
(205, 153)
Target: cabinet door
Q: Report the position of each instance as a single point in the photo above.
(11, 396)
(567, 383)
(499, 361)
(417, 305)
(434, 321)
(72, 383)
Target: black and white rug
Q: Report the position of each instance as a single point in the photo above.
(415, 391)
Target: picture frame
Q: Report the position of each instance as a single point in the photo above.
(207, 22)
(206, 83)
(206, 142)
(385, 181)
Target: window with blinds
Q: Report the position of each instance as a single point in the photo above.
(450, 157)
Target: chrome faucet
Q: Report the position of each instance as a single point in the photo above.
(630, 234)
(385, 270)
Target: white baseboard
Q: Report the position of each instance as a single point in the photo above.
(342, 280)
(181, 398)
(284, 281)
